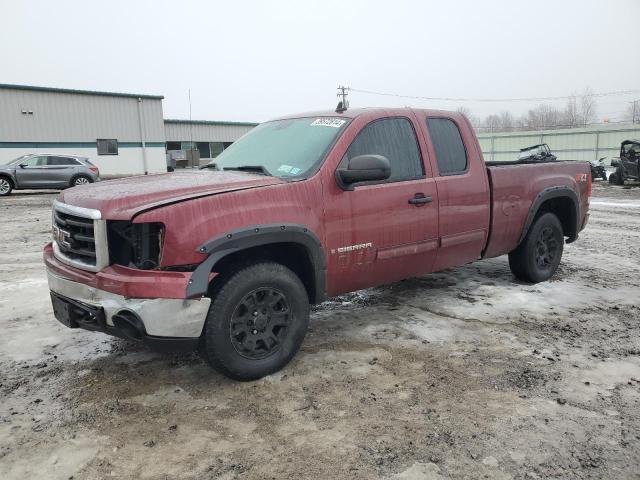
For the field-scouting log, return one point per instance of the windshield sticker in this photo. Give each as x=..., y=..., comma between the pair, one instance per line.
x=295, y=171
x=285, y=168
x=328, y=122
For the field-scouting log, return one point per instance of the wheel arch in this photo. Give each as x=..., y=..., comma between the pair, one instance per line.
x=295, y=246
x=77, y=175
x=561, y=201
x=8, y=177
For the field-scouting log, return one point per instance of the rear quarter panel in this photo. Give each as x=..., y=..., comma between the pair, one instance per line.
x=515, y=188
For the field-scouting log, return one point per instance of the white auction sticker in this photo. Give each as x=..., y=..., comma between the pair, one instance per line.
x=328, y=122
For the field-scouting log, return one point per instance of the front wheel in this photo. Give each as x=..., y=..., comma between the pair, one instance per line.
x=537, y=258
x=256, y=322
x=5, y=187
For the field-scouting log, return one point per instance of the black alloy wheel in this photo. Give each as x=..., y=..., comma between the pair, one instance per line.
x=259, y=323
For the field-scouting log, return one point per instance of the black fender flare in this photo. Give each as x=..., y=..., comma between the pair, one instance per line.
x=548, y=194
x=219, y=247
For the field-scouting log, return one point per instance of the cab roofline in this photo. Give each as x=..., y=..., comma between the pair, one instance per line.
x=356, y=112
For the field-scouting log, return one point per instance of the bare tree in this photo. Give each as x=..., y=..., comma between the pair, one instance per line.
x=475, y=121
x=542, y=117
x=587, y=107
x=571, y=117
x=492, y=123
x=507, y=122
x=632, y=113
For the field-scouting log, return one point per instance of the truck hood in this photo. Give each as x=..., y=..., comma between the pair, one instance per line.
x=124, y=198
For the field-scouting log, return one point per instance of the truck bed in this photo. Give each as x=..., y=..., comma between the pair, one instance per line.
x=515, y=187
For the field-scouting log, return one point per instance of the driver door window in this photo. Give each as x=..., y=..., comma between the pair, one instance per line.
x=39, y=161
x=394, y=139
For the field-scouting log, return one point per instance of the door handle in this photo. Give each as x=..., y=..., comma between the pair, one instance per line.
x=420, y=199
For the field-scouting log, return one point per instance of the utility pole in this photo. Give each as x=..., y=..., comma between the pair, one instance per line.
x=190, y=153
x=344, y=103
x=635, y=111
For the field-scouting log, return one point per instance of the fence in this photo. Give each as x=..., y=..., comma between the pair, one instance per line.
x=589, y=143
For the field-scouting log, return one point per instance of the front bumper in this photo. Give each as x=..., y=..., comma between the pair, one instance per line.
x=157, y=320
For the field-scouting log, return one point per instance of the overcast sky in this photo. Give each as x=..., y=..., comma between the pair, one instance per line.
x=252, y=60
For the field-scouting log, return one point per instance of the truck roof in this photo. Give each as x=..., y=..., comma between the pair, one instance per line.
x=356, y=112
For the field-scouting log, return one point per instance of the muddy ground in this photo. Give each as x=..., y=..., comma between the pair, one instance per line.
x=462, y=374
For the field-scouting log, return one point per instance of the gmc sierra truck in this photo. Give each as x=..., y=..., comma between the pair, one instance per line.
x=228, y=259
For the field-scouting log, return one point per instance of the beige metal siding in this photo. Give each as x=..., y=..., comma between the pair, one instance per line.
x=68, y=117
x=567, y=144
x=202, y=132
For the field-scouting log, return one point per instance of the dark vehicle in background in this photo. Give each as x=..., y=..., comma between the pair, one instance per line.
x=628, y=165
x=46, y=170
x=598, y=170
x=536, y=153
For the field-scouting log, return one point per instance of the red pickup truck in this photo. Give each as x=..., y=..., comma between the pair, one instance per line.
x=228, y=259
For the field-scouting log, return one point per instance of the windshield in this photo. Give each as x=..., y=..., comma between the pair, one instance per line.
x=284, y=148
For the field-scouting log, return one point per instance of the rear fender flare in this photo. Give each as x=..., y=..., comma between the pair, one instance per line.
x=219, y=247
x=548, y=194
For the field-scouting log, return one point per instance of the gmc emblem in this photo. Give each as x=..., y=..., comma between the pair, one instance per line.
x=62, y=237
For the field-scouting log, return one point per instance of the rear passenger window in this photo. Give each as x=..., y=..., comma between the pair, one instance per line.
x=57, y=161
x=395, y=139
x=447, y=142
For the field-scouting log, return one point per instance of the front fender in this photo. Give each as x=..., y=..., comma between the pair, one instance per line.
x=254, y=236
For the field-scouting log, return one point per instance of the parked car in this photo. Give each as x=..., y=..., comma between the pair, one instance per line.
x=628, y=165
x=598, y=169
x=229, y=259
x=46, y=170
x=536, y=153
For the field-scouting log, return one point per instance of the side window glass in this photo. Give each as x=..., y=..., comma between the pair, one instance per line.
x=35, y=161
x=57, y=161
x=394, y=139
x=447, y=142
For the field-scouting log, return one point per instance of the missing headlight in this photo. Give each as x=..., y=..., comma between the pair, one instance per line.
x=137, y=245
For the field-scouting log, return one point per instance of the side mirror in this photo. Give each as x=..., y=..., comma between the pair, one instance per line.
x=615, y=162
x=365, y=168
x=22, y=165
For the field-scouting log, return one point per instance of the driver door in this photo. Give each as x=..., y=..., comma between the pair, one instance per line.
x=32, y=172
x=377, y=232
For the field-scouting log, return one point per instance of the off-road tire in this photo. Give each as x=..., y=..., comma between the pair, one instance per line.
x=75, y=179
x=231, y=293
x=6, y=186
x=619, y=177
x=537, y=258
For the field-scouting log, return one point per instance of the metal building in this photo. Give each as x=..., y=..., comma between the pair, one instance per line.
x=209, y=138
x=122, y=134
x=589, y=143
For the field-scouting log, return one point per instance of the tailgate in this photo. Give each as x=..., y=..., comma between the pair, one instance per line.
x=517, y=190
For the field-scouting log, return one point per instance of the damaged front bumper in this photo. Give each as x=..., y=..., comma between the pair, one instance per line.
x=167, y=323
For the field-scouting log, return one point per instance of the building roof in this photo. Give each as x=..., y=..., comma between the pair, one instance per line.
x=209, y=122
x=78, y=92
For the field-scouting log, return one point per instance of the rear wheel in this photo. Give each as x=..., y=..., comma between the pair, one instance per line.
x=618, y=177
x=81, y=180
x=257, y=320
x=5, y=186
x=537, y=258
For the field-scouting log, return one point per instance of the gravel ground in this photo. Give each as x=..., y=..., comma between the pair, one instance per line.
x=461, y=374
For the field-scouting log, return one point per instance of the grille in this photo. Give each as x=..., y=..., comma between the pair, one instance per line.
x=79, y=236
